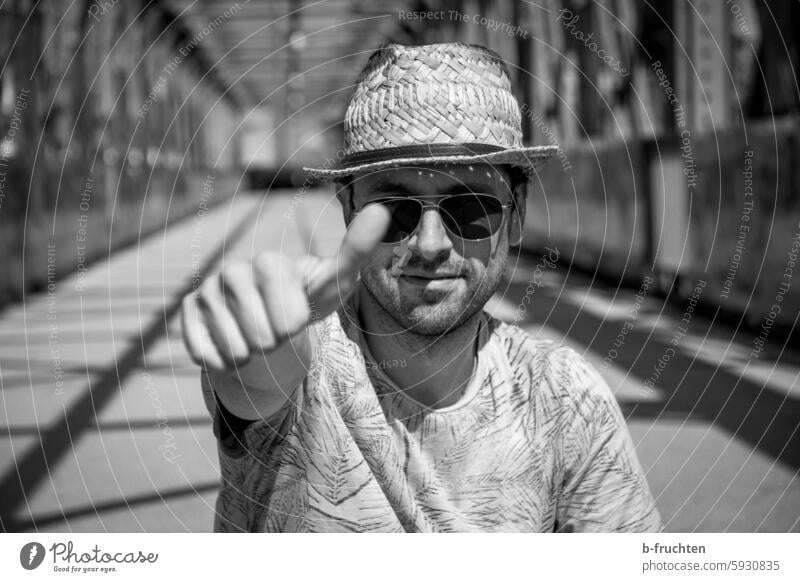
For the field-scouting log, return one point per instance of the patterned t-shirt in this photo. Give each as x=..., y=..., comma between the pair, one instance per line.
x=537, y=443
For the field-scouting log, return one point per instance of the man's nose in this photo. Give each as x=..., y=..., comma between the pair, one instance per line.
x=431, y=239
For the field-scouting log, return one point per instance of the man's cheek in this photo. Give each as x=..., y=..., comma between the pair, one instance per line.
x=379, y=267
x=480, y=251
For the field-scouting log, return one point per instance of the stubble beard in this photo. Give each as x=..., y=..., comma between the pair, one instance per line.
x=433, y=317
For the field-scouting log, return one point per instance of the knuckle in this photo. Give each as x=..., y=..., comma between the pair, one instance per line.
x=234, y=274
x=232, y=353
x=266, y=343
x=258, y=335
x=202, y=355
x=206, y=359
x=207, y=292
x=266, y=264
x=218, y=364
x=240, y=357
x=187, y=304
x=293, y=319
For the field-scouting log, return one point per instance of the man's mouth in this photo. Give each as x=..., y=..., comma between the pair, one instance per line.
x=429, y=279
x=429, y=276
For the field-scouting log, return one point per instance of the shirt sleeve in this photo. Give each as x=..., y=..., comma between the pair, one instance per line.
x=604, y=487
x=245, y=449
x=229, y=429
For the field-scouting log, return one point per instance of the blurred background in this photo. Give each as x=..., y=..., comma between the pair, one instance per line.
x=146, y=142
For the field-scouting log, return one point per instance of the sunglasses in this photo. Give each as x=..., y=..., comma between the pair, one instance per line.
x=471, y=217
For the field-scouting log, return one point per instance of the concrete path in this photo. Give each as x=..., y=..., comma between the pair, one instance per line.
x=103, y=427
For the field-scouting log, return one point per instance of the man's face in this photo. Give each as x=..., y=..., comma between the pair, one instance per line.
x=434, y=281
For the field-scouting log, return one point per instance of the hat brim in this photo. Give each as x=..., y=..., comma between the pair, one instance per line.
x=529, y=159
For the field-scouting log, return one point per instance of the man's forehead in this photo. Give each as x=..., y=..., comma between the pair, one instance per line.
x=440, y=174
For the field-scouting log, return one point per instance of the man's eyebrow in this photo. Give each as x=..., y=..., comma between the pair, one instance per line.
x=467, y=186
x=392, y=188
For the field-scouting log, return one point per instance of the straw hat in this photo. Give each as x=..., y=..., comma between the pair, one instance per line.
x=439, y=103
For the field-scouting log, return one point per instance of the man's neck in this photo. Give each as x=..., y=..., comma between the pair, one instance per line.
x=435, y=370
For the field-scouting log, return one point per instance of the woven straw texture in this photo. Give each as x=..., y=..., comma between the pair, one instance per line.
x=434, y=94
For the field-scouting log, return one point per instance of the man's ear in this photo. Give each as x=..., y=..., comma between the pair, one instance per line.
x=518, y=214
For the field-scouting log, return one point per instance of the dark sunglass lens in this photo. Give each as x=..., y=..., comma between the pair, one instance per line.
x=472, y=216
x=405, y=218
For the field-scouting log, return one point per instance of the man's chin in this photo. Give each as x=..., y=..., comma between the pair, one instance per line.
x=433, y=319
x=428, y=314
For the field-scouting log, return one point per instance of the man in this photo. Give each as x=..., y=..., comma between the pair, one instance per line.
x=369, y=391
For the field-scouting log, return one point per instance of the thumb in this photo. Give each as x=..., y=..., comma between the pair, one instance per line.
x=365, y=232
x=330, y=281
